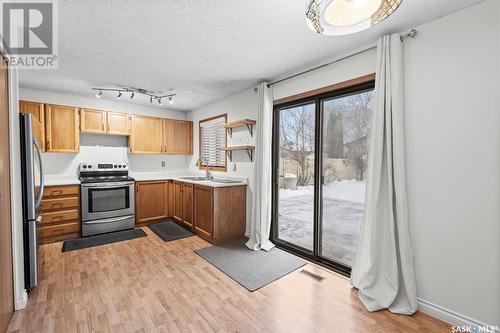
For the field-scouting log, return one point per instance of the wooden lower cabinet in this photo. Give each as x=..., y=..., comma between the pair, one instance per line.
x=182, y=203
x=177, y=207
x=187, y=204
x=203, y=211
x=151, y=201
x=216, y=214
x=219, y=212
x=60, y=213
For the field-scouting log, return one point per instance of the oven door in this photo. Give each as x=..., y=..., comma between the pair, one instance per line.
x=106, y=200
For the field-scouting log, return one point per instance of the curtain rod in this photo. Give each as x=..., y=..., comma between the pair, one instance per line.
x=411, y=34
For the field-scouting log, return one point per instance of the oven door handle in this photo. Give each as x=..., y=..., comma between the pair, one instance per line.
x=108, y=185
x=110, y=220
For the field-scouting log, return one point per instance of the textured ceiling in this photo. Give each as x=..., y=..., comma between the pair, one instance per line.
x=203, y=50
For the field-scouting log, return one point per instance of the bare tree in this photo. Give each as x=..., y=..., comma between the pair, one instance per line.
x=297, y=139
x=357, y=126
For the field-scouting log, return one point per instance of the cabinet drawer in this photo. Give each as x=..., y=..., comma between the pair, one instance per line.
x=57, y=191
x=58, y=229
x=60, y=216
x=60, y=203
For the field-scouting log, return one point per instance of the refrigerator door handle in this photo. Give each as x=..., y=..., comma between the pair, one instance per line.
x=42, y=180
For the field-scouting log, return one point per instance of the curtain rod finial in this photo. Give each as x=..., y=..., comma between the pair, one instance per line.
x=411, y=34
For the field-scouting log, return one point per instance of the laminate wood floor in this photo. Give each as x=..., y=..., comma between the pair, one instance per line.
x=147, y=285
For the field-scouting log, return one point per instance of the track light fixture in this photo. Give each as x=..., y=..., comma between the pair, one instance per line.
x=133, y=91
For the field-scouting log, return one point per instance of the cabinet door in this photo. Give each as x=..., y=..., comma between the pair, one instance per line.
x=146, y=135
x=178, y=137
x=177, y=201
x=203, y=211
x=187, y=203
x=118, y=123
x=93, y=121
x=151, y=201
x=62, y=129
x=36, y=109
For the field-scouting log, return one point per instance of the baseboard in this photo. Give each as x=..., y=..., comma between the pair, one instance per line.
x=21, y=301
x=449, y=316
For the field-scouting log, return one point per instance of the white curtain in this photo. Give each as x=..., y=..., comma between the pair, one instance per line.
x=260, y=225
x=383, y=271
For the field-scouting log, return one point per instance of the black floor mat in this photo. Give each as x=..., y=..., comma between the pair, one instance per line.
x=112, y=237
x=169, y=231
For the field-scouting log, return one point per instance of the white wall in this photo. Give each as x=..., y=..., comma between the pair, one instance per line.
x=452, y=118
x=239, y=106
x=452, y=82
x=95, y=147
x=350, y=68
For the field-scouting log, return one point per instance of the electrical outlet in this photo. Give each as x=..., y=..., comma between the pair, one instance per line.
x=163, y=164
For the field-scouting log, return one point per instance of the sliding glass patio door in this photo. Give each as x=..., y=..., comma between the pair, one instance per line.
x=320, y=149
x=295, y=161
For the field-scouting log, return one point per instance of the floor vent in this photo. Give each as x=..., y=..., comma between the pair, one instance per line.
x=312, y=275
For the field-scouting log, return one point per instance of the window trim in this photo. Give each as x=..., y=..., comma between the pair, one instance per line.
x=201, y=166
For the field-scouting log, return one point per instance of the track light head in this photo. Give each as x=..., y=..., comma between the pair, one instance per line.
x=120, y=91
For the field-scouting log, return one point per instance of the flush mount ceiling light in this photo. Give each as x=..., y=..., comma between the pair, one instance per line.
x=342, y=17
x=134, y=91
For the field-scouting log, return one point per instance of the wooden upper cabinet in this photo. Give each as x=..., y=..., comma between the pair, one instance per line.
x=146, y=135
x=178, y=137
x=62, y=129
x=118, y=123
x=37, y=110
x=93, y=121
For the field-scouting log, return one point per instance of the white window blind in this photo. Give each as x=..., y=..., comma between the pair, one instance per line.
x=213, y=141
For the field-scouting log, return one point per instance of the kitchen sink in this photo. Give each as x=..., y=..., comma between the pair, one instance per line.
x=195, y=178
x=226, y=181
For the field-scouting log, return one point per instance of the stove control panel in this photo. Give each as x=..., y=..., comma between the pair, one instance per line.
x=103, y=167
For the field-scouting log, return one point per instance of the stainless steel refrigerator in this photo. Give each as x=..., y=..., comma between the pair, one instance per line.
x=32, y=189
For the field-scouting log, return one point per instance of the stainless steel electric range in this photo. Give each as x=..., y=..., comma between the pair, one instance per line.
x=107, y=198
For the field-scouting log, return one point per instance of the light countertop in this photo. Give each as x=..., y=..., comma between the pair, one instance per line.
x=53, y=180
x=148, y=176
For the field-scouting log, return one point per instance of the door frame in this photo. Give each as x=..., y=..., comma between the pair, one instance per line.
x=338, y=90
x=7, y=197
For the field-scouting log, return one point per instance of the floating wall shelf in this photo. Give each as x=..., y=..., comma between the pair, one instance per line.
x=248, y=149
x=249, y=123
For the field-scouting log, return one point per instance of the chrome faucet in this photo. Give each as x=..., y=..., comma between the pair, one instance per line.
x=208, y=174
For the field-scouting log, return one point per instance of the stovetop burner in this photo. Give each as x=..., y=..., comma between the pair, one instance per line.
x=104, y=172
x=105, y=179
